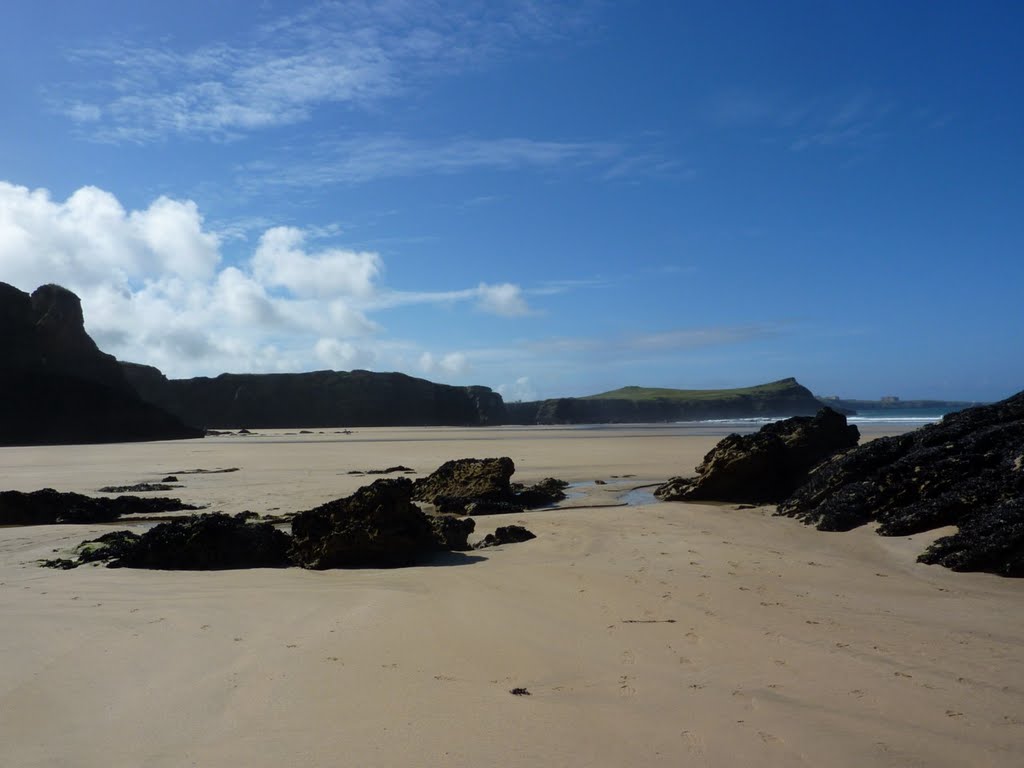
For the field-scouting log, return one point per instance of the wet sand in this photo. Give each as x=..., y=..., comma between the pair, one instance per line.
x=661, y=634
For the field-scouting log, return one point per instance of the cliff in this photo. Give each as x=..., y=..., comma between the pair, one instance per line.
x=632, y=405
x=318, y=399
x=56, y=386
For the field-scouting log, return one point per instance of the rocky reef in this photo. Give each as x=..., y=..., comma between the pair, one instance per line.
x=483, y=487
x=767, y=466
x=199, y=543
x=49, y=507
x=967, y=470
x=505, y=534
x=378, y=526
x=56, y=386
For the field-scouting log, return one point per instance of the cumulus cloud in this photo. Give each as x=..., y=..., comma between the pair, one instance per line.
x=90, y=238
x=505, y=299
x=280, y=261
x=521, y=390
x=343, y=355
x=156, y=289
x=451, y=364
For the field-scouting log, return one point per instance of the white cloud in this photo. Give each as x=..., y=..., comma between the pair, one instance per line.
x=347, y=53
x=91, y=239
x=280, y=261
x=521, y=390
x=369, y=158
x=453, y=364
x=505, y=299
x=343, y=355
x=155, y=288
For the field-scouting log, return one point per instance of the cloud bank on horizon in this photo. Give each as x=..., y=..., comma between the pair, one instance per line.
x=549, y=199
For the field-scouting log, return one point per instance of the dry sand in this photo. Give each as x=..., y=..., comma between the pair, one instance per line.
x=662, y=634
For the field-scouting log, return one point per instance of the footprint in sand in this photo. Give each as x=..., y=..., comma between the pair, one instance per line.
x=694, y=743
x=768, y=738
x=628, y=657
x=625, y=688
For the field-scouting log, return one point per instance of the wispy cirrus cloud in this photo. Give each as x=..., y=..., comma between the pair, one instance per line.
x=281, y=71
x=852, y=120
x=371, y=158
x=641, y=345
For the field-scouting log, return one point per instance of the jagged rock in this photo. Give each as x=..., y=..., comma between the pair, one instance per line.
x=506, y=534
x=56, y=386
x=489, y=507
x=452, y=532
x=207, y=543
x=766, y=466
x=109, y=546
x=48, y=507
x=548, y=491
x=210, y=542
x=483, y=487
x=376, y=527
x=458, y=482
x=967, y=470
x=137, y=488
x=991, y=540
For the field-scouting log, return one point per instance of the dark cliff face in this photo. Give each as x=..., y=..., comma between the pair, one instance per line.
x=56, y=386
x=792, y=400
x=318, y=399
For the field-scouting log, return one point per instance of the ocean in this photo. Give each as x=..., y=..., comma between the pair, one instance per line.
x=874, y=420
x=898, y=416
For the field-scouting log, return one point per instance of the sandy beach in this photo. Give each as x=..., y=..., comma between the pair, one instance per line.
x=648, y=634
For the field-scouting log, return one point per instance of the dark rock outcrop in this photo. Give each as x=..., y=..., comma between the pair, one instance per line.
x=137, y=488
x=506, y=534
x=57, y=387
x=451, y=532
x=456, y=483
x=317, y=399
x=483, y=487
x=108, y=547
x=376, y=527
x=967, y=470
x=544, y=493
x=209, y=542
x=485, y=507
x=766, y=466
x=48, y=507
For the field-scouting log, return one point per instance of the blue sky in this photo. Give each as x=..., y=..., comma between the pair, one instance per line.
x=545, y=198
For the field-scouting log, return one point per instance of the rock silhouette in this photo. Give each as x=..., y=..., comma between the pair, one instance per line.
x=57, y=387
